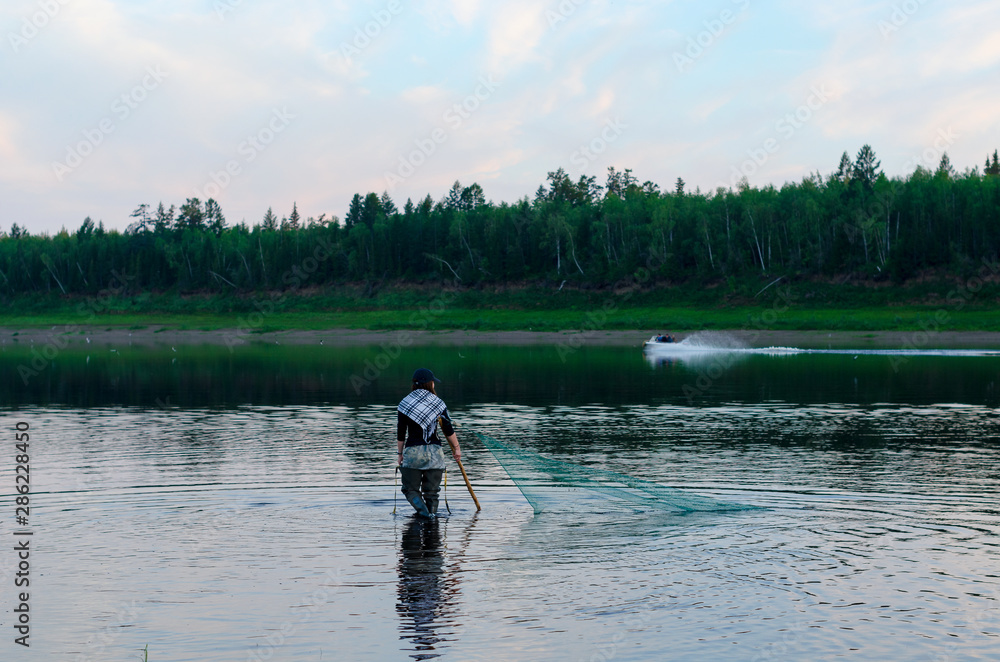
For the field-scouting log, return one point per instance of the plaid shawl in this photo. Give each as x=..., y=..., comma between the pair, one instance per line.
x=423, y=408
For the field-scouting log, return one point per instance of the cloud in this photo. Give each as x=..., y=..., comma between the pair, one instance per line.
x=897, y=88
x=16, y=170
x=957, y=44
x=465, y=11
x=559, y=84
x=8, y=151
x=516, y=28
x=424, y=95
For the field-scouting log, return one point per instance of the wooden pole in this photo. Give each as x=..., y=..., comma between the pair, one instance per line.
x=468, y=484
x=464, y=475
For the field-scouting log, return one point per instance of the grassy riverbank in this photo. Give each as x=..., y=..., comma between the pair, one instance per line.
x=940, y=306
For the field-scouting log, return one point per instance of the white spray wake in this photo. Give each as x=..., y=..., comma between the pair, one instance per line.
x=721, y=342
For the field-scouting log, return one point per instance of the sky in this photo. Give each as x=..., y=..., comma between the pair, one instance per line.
x=109, y=104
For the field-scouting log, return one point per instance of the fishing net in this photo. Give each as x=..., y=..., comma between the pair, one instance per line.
x=549, y=484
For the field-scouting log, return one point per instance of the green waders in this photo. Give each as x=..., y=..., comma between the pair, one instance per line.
x=421, y=488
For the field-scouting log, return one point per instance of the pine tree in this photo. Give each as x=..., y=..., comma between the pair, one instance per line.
x=214, y=217
x=454, y=197
x=371, y=210
x=588, y=190
x=541, y=194
x=293, y=219
x=993, y=168
x=270, y=222
x=86, y=229
x=866, y=167
x=944, y=168
x=613, y=185
x=164, y=219
x=473, y=197
x=620, y=183
x=426, y=205
x=844, y=169
x=191, y=216
x=388, y=206
x=142, y=224
x=353, y=212
x=679, y=187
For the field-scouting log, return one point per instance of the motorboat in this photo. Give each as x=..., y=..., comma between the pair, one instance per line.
x=657, y=342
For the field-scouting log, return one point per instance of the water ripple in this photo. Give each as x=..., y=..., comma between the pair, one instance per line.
x=269, y=531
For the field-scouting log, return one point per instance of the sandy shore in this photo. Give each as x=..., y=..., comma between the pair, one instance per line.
x=164, y=336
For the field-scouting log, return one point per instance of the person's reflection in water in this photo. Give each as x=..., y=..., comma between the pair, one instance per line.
x=426, y=589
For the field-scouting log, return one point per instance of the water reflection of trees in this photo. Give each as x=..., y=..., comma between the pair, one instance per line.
x=214, y=377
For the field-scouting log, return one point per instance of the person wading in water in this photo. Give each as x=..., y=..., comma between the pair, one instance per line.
x=421, y=458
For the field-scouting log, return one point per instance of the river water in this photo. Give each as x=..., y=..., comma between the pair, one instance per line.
x=216, y=505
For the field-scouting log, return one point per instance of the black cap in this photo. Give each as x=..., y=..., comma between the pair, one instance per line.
x=423, y=375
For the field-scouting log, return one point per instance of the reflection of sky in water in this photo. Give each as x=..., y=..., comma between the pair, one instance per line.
x=268, y=530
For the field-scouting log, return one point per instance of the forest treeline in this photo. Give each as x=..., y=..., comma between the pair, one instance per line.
x=855, y=222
